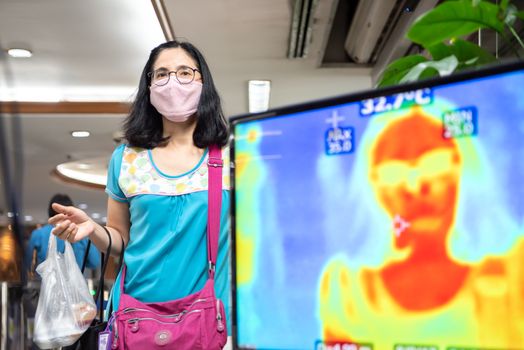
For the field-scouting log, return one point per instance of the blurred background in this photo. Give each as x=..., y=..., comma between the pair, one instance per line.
x=69, y=71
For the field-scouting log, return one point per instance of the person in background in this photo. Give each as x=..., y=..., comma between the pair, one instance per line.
x=39, y=239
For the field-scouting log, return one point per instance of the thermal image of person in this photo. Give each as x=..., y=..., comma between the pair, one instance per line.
x=430, y=255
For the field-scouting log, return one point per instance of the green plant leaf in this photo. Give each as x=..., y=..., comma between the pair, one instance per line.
x=444, y=67
x=520, y=15
x=466, y=52
x=439, y=51
x=475, y=2
x=454, y=19
x=503, y=5
x=428, y=73
x=397, y=69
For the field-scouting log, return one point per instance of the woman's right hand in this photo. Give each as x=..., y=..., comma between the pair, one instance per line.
x=71, y=224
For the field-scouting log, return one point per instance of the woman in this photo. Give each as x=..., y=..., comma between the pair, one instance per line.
x=157, y=183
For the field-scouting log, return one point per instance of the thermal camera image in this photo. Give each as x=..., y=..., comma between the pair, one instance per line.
x=430, y=285
x=389, y=223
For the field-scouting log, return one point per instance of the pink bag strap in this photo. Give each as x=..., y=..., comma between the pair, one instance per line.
x=214, y=207
x=214, y=210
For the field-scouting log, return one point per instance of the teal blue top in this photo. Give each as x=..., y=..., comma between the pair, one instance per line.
x=166, y=256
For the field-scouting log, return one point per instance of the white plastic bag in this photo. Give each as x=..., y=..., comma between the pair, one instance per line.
x=65, y=306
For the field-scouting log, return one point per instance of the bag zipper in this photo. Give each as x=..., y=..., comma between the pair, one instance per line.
x=220, y=324
x=154, y=313
x=115, y=339
x=133, y=309
x=135, y=321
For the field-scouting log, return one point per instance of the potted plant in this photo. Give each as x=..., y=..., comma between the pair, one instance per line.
x=441, y=32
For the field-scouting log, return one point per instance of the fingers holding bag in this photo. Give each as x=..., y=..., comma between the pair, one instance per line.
x=71, y=224
x=65, y=230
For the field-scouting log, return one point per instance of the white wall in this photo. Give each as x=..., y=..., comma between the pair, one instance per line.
x=291, y=83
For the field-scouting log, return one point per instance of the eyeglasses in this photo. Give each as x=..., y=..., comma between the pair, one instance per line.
x=429, y=167
x=184, y=75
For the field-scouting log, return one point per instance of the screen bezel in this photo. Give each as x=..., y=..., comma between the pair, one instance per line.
x=500, y=68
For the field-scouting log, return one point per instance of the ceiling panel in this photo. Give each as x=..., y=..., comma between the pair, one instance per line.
x=82, y=50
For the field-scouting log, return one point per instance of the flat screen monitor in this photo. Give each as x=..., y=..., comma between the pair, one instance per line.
x=389, y=219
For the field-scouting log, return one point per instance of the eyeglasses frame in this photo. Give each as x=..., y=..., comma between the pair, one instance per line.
x=169, y=73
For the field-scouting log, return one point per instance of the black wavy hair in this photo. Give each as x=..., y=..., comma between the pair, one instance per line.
x=143, y=127
x=59, y=198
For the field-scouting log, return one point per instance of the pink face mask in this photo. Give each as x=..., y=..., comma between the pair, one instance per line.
x=175, y=101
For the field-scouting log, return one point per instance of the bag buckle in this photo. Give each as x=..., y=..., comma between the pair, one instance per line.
x=211, y=267
x=215, y=162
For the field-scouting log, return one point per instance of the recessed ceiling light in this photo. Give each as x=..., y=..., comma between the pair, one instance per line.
x=19, y=53
x=96, y=216
x=28, y=218
x=80, y=133
x=82, y=206
x=10, y=214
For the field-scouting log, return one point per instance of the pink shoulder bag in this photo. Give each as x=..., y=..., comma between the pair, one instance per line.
x=193, y=322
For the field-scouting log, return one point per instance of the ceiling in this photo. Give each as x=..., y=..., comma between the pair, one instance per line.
x=95, y=50
x=82, y=51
